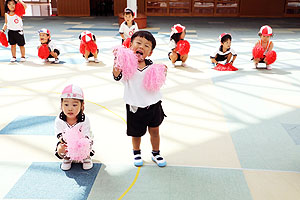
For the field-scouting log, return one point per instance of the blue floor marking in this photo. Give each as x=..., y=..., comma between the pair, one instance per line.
x=30, y=125
x=45, y=180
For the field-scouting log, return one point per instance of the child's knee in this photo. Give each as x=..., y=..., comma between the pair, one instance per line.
x=61, y=149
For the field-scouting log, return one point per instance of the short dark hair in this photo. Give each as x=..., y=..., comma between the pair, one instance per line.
x=128, y=11
x=63, y=115
x=176, y=37
x=6, y=5
x=225, y=38
x=145, y=34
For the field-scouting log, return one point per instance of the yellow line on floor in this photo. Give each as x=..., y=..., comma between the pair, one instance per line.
x=135, y=178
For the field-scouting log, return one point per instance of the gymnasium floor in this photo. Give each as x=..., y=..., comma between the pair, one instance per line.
x=228, y=135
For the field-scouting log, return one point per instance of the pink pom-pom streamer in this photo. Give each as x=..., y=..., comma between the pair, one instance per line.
x=258, y=51
x=226, y=67
x=19, y=10
x=155, y=77
x=126, y=60
x=183, y=47
x=3, y=39
x=271, y=57
x=127, y=42
x=78, y=146
x=43, y=51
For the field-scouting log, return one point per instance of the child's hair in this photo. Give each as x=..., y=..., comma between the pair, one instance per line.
x=225, y=38
x=6, y=5
x=145, y=34
x=176, y=37
x=128, y=11
x=259, y=34
x=79, y=116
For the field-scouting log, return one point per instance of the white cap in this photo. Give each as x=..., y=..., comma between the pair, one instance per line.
x=266, y=30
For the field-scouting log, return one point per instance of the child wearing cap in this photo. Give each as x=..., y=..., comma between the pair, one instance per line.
x=224, y=54
x=88, y=46
x=129, y=26
x=177, y=34
x=144, y=109
x=14, y=24
x=45, y=39
x=265, y=33
x=72, y=117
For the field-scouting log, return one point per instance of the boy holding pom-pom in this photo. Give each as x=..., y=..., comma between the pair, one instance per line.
x=263, y=50
x=47, y=49
x=142, y=80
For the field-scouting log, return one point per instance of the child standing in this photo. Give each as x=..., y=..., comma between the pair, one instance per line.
x=177, y=33
x=265, y=33
x=88, y=46
x=14, y=24
x=144, y=109
x=72, y=117
x=224, y=52
x=129, y=26
x=45, y=39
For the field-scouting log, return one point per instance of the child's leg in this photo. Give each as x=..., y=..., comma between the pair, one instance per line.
x=13, y=50
x=86, y=55
x=154, y=138
x=62, y=150
x=173, y=56
x=22, y=49
x=229, y=58
x=54, y=54
x=136, y=142
x=184, y=58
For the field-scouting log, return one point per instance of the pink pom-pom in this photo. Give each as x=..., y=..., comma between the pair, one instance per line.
x=82, y=47
x=127, y=42
x=226, y=67
x=271, y=57
x=126, y=60
x=3, y=39
x=44, y=52
x=183, y=47
x=92, y=47
x=19, y=10
x=78, y=146
x=155, y=77
x=258, y=51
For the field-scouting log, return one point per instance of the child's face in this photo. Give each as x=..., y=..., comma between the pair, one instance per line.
x=44, y=37
x=71, y=108
x=182, y=35
x=226, y=44
x=142, y=47
x=128, y=18
x=265, y=38
x=11, y=5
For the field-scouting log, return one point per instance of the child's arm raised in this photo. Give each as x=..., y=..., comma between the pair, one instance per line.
x=25, y=6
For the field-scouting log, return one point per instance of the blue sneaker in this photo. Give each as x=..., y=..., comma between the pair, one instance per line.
x=159, y=160
x=138, y=162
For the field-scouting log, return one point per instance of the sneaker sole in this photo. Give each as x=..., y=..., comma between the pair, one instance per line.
x=139, y=164
x=160, y=164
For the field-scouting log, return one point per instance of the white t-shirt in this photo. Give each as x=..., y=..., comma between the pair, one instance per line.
x=135, y=94
x=128, y=31
x=61, y=126
x=172, y=44
x=14, y=22
x=222, y=55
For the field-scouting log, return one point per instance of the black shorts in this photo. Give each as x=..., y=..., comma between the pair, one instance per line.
x=178, y=56
x=55, y=51
x=16, y=37
x=137, y=123
x=91, y=55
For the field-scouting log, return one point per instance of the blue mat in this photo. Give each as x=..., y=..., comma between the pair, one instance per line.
x=30, y=125
x=294, y=131
x=48, y=181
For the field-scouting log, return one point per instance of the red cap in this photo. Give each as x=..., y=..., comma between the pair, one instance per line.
x=266, y=30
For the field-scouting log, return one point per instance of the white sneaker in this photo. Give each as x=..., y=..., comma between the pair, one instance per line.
x=87, y=61
x=66, y=164
x=87, y=164
x=183, y=64
x=173, y=64
x=46, y=60
x=22, y=59
x=13, y=59
x=56, y=61
x=138, y=162
x=96, y=60
x=268, y=67
x=159, y=160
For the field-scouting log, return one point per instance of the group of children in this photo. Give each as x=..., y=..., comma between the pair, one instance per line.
x=143, y=107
